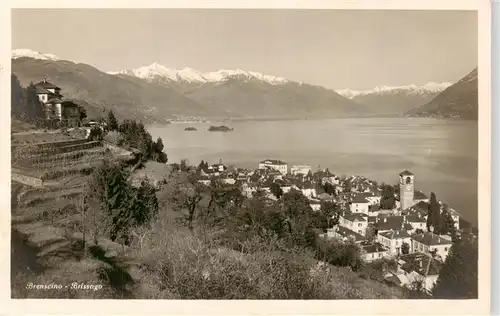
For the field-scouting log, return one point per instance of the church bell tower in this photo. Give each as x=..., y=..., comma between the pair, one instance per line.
x=406, y=189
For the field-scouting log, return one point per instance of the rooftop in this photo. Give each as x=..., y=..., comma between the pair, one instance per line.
x=54, y=100
x=415, y=218
x=419, y=195
x=359, y=199
x=431, y=239
x=349, y=233
x=356, y=217
x=419, y=263
x=421, y=206
x=395, y=234
x=372, y=247
x=273, y=162
x=389, y=222
x=47, y=85
x=406, y=173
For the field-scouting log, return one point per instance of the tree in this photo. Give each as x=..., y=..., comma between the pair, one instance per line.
x=83, y=112
x=331, y=211
x=329, y=188
x=184, y=165
x=185, y=193
x=158, y=154
x=276, y=190
x=201, y=166
x=35, y=111
x=17, y=102
x=387, y=201
x=405, y=248
x=112, y=121
x=458, y=278
x=371, y=233
x=447, y=223
x=433, y=214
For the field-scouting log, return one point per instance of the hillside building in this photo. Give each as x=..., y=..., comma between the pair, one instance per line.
x=66, y=112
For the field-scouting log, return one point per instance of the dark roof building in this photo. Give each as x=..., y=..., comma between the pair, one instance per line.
x=368, y=247
x=395, y=234
x=356, y=217
x=359, y=199
x=389, y=223
x=431, y=239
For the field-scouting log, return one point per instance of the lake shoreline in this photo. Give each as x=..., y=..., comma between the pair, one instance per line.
x=441, y=153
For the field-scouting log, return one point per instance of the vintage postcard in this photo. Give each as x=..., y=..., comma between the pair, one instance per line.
x=258, y=157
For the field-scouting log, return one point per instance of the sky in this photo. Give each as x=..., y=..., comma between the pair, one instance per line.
x=337, y=49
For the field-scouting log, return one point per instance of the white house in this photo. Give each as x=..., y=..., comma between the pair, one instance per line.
x=429, y=242
x=359, y=205
x=248, y=189
x=228, y=181
x=394, y=240
x=278, y=165
x=373, y=251
x=356, y=222
x=308, y=192
x=315, y=205
x=300, y=169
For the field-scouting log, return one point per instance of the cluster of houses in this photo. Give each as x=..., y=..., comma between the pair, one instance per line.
x=400, y=233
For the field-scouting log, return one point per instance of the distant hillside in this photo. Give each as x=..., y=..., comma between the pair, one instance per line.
x=395, y=100
x=459, y=101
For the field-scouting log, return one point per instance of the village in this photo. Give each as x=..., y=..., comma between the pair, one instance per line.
x=398, y=233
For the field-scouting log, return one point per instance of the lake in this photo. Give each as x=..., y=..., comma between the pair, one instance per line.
x=441, y=153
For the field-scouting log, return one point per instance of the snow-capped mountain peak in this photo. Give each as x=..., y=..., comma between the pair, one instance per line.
x=156, y=70
x=431, y=87
x=18, y=53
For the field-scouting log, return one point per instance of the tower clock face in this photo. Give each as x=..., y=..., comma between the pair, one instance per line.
x=408, y=188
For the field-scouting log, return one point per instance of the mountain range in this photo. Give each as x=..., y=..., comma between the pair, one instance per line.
x=458, y=101
x=155, y=93
x=395, y=99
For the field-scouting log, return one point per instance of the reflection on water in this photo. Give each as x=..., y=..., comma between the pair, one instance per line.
x=442, y=154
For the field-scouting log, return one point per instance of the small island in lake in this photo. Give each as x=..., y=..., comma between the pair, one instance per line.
x=190, y=129
x=221, y=128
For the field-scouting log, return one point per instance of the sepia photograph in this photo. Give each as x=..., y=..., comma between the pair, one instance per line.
x=244, y=154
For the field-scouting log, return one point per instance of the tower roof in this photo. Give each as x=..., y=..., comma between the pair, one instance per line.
x=47, y=85
x=406, y=173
